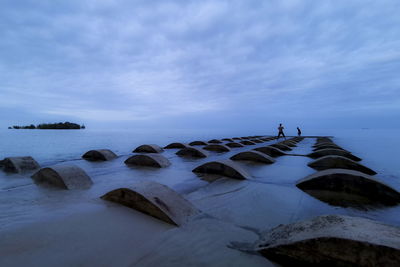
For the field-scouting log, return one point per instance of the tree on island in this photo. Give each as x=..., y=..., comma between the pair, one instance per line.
x=56, y=126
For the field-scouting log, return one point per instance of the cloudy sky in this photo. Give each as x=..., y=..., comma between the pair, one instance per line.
x=201, y=63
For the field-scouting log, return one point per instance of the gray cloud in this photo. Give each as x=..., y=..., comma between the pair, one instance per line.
x=99, y=61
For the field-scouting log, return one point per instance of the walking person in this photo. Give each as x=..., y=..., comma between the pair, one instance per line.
x=280, y=129
x=298, y=131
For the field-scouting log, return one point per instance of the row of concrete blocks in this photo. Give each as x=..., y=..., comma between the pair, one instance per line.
x=342, y=181
x=319, y=240
x=27, y=163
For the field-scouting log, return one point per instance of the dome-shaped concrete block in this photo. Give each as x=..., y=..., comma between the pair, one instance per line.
x=175, y=145
x=333, y=152
x=257, y=141
x=149, y=160
x=148, y=149
x=339, y=162
x=353, y=188
x=192, y=152
x=63, y=176
x=227, y=139
x=234, y=144
x=99, y=155
x=255, y=156
x=19, y=164
x=247, y=143
x=281, y=147
x=270, y=151
x=328, y=146
x=332, y=240
x=226, y=168
x=217, y=148
x=324, y=144
x=197, y=143
x=214, y=141
x=289, y=143
x=156, y=200
x=236, y=138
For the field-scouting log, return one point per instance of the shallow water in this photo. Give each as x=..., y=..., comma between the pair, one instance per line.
x=267, y=199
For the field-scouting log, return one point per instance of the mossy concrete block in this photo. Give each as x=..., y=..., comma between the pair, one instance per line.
x=19, y=164
x=333, y=152
x=63, y=176
x=148, y=149
x=342, y=187
x=193, y=152
x=156, y=200
x=247, y=143
x=281, y=147
x=226, y=168
x=254, y=156
x=149, y=160
x=217, y=148
x=99, y=155
x=197, y=143
x=339, y=162
x=270, y=151
x=234, y=144
x=332, y=240
x=175, y=145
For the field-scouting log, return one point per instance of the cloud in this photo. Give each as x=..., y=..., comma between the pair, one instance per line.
x=136, y=60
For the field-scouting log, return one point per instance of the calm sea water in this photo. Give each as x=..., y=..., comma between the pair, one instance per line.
x=378, y=148
x=23, y=202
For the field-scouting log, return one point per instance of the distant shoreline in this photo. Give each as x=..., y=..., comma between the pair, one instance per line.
x=50, y=126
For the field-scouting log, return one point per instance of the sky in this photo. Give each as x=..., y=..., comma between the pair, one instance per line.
x=201, y=64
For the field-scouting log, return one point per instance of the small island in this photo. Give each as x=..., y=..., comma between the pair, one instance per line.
x=55, y=126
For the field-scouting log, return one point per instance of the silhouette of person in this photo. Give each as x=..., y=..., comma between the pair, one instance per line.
x=298, y=131
x=280, y=129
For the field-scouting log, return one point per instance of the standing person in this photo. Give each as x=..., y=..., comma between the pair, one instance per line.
x=280, y=129
x=298, y=131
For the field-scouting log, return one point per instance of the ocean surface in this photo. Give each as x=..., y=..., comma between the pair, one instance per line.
x=378, y=148
x=268, y=199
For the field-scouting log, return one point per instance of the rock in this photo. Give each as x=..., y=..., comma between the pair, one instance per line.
x=342, y=187
x=175, y=145
x=214, y=141
x=156, y=200
x=234, y=144
x=255, y=156
x=217, y=148
x=226, y=168
x=197, y=143
x=192, y=152
x=19, y=164
x=63, y=176
x=332, y=151
x=281, y=147
x=227, y=139
x=270, y=151
x=339, y=162
x=99, y=155
x=148, y=149
x=247, y=143
x=150, y=160
x=332, y=240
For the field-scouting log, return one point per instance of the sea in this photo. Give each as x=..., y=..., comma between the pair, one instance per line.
x=81, y=218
